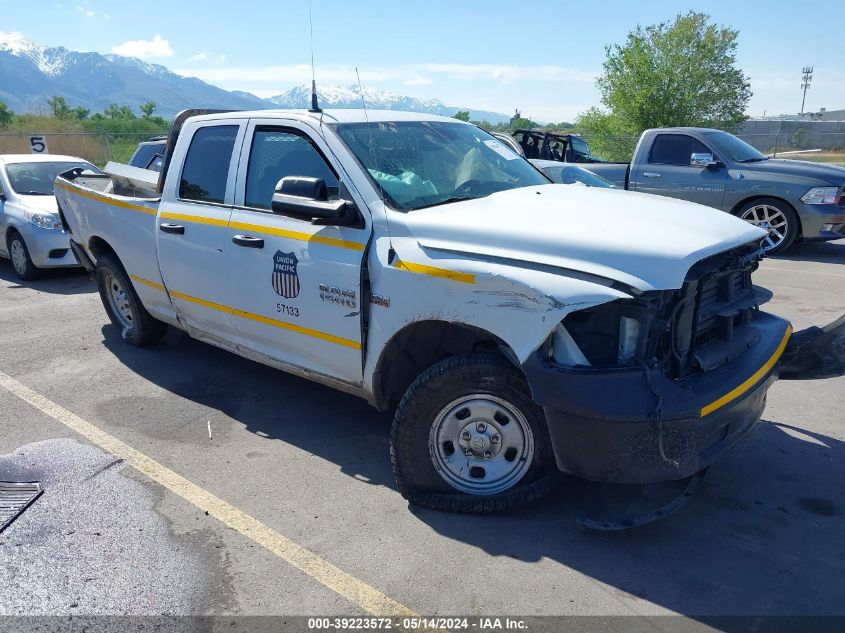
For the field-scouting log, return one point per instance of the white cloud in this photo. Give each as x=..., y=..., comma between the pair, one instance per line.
x=144, y=49
x=413, y=74
x=204, y=57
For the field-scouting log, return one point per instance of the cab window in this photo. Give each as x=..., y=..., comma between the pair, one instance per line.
x=206, y=168
x=675, y=149
x=277, y=153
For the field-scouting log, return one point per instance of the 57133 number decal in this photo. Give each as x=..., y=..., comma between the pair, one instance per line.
x=293, y=311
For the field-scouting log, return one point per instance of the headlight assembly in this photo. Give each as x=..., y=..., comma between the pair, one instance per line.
x=821, y=195
x=43, y=220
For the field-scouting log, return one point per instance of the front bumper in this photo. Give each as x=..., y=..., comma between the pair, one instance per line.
x=48, y=248
x=603, y=423
x=822, y=221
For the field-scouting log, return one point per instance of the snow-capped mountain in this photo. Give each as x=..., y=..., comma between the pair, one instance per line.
x=334, y=96
x=31, y=73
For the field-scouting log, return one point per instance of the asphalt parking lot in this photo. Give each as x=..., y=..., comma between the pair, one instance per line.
x=764, y=536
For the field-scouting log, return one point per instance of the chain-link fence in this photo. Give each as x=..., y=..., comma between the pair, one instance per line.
x=97, y=148
x=767, y=136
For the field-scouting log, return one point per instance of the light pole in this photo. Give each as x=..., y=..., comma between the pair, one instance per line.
x=806, y=78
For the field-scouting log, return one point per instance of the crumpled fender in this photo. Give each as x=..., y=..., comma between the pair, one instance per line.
x=816, y=352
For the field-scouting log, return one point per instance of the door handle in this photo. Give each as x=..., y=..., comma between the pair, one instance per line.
x=249, y=241
x=177, y=229
x=651, y=174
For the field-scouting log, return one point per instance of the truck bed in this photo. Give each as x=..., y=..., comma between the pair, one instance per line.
x=100, y=219
x=617, y=173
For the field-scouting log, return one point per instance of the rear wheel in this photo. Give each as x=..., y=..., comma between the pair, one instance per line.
x=123, y=305
x=19, y=255
x=467, y=438
x=775, y=217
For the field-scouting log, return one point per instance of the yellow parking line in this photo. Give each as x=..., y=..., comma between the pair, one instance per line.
x=344, y=584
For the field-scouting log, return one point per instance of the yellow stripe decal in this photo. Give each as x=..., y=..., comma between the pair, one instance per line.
x=146, y=282
x=296, y=235
x=113, y=201
x=331, y=338
x=196, y=219
x=432, y=271
x=358, y=592
x=751, y=381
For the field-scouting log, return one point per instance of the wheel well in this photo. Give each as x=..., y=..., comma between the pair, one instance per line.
x=420, y=345
x=10, y=231
x=99, y=247
x=742, y=203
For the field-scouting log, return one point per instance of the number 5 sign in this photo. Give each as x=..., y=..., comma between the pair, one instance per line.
x=38, y=144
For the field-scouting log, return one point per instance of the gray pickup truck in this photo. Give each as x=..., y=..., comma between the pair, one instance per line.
x=788, y=198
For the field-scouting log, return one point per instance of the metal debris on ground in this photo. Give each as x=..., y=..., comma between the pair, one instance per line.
x=15, y=497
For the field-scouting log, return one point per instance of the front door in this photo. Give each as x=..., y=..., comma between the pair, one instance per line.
x=668, y=172
x=192, y=228
x=295, y=286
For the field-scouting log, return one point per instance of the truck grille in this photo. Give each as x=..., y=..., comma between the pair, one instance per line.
x=708, y=323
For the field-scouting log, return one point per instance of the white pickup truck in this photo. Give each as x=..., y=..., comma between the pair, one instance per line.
x=519, y=328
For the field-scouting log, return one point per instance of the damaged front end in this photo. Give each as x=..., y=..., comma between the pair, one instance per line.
x=656, y=387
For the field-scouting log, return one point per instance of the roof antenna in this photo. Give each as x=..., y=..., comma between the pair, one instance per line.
x=315, y=107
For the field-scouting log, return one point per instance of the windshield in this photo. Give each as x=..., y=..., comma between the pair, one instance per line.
x=426, y=163
x=736, y=149
x=570, y=175
x=36, y=179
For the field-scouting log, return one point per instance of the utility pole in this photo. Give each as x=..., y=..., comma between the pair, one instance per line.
x=806, y=78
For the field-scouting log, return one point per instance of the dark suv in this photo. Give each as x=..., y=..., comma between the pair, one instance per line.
x=150, y=154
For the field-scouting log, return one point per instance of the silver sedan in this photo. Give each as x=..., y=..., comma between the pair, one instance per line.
x=31, y=232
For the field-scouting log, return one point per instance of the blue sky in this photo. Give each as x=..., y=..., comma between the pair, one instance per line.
x=540, y=56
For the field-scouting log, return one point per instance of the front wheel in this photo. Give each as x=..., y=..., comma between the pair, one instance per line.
x=123, y=305
x=776, y=218
x=21, y=261
x=468, y=438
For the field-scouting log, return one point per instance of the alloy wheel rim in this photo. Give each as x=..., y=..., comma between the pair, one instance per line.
x=18, y=255
x=770, y=219
x=481, y=444
x=119, y=302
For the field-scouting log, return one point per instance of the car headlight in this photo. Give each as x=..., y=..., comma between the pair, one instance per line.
x=43, y=220
x=821, y=195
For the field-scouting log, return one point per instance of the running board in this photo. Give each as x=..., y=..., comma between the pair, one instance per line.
x=816, y=352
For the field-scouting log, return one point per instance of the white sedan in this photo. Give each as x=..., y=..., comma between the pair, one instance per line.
x=31, y=232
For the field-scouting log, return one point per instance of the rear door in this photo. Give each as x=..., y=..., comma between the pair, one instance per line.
x=667, y=171
x=192, y=226
x=296, y=286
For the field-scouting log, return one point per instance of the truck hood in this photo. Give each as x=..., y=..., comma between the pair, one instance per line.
x=809, y=171
x=645, y=241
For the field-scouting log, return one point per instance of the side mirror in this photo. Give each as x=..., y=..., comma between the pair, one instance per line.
x=308, y=199
x=702, y=160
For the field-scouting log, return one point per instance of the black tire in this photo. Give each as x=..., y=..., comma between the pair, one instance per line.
x=140, y=328
x=413, y=465
x=28, y=271
x=793, y=224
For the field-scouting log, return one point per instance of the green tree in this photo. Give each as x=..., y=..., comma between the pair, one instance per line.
x=115, y=111
x=148, y=108
x=670, y=74
x=521, y=124
x=6, y=115
x=462, y=115
x=59, y=107
x=79, y=113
